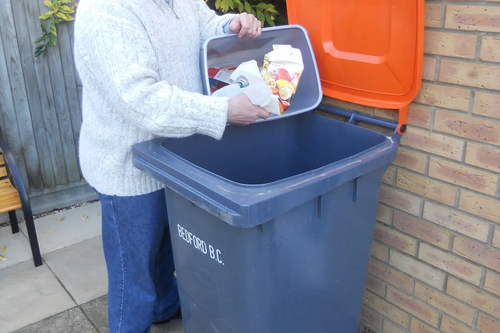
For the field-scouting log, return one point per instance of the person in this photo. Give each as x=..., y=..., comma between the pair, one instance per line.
x=138, y=61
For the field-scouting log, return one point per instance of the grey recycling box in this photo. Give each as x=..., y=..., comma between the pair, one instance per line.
x=272, y=226
x=230, y=50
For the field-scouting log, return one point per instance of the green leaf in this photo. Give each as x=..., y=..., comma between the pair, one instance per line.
x=241, y=7
x=46, y=16
x=67, y=10
x=261, y=6
x=43, y=27
x=260, y=16
x=272, y=10
x=58, y=20
x=269, y=20
x=44, y=37
x=48, y=4
x=53, y=28
x=54, y=2
x=217, y=4
x=65, y=17
x=248, y=8
x=224, y=6
x=53, y=39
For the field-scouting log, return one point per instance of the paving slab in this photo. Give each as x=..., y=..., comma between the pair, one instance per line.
x=68, y=227
x=81, y=269
x=28, y=295
x=14, y=248
x=71, y=321
x=97, y=311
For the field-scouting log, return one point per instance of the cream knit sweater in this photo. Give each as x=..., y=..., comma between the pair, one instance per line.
x=139, y=64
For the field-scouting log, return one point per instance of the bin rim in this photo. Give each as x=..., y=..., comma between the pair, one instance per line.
x=247, y=205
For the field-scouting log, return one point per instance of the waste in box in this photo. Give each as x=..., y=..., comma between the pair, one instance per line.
x=230, y=50
x=272, y=225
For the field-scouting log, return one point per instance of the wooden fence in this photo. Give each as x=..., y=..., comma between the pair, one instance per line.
x=40, y=102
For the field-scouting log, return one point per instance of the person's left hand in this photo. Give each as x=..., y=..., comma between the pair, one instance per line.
x=246, y=25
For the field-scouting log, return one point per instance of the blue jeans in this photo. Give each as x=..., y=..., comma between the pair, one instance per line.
x=141, y=284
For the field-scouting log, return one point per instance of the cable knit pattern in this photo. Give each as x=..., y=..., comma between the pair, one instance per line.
x=139, y=65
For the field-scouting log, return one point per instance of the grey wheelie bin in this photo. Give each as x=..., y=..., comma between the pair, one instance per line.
x=272, y=225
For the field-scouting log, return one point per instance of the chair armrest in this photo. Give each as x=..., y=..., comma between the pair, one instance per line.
x=13, y=170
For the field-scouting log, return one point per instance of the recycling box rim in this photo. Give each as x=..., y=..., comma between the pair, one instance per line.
x=309, y=86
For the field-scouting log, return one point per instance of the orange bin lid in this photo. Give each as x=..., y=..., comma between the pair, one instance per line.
x=369, y=52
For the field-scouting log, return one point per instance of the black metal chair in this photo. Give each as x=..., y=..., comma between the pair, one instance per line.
x=13, y=196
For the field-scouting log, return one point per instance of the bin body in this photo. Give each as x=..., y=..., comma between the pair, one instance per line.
x=272, y=226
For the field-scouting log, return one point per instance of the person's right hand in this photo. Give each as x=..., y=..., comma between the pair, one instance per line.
x=242, y=112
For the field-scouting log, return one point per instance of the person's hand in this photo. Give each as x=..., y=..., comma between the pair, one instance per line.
x=246, y=25
x=242, y=112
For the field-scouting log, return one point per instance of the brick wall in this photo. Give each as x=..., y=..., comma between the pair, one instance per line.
x=435, y=263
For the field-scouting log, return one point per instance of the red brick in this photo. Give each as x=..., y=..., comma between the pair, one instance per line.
x=389, y=176
x=348, y=106
x=375, y=285
x=496, y=237
x=433, y=15
x=443, y=96
x=492, y=283
x=444, y=303
x=464, y=176
x=473, y=18
x=395, y=239
x=469, y=74
x=450, y=44
x=477, y=252
x=398, y=199
x=486, y=104
x=485, y=207
x=449, y=325
x=384, y=214
x=429, y=69
x=433, y=143
x=390, y=327
x=371, y=317
x=483, y=156
x=380, y=251
x=418, y=115
x=473, y=296
x=417, y=269
x=490, y=49
x=456, y=221
x=486, y=324
x=426, y=187
x=451, y=264
x=385, y=308
x=390, y=275
x=467, y=127
x=419, y=327
x=413, y=306
x=411, y=160
x=421, y=230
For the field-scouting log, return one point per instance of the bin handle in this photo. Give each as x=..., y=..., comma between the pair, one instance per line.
x=355, y=117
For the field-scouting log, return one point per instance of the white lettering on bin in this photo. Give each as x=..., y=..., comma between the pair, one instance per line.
x=199, y=244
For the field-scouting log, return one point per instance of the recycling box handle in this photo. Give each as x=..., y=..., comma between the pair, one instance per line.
x=354, y=117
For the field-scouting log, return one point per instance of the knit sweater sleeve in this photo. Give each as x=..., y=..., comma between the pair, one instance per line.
x=210, y=23
x=114, y=58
